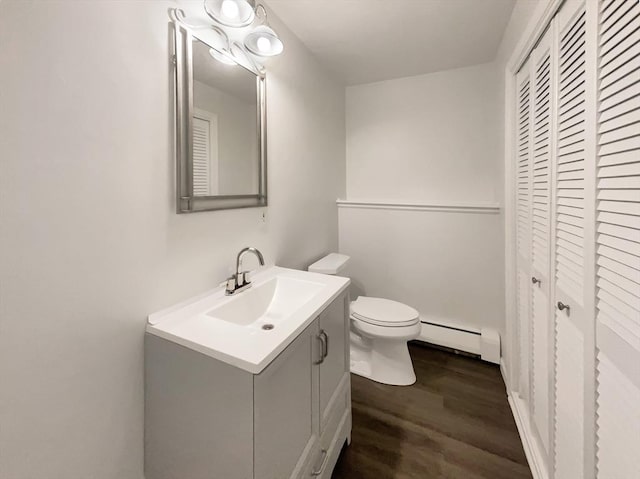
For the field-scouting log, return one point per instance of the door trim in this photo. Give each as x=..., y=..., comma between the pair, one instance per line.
x=530, y=443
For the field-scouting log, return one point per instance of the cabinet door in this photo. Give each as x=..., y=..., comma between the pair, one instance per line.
x=287, y=432
x=618, y=241
x=570, y=259
x=334, y=369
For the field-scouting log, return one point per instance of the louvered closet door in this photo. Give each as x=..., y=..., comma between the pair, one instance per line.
x=205, y=153
x=618, y=242
x=542, y=78
x=201, y=156
x=523, y=223
x=570, y=205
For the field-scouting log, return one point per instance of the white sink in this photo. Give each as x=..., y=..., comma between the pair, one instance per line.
x=251, y=328
x=268, y=303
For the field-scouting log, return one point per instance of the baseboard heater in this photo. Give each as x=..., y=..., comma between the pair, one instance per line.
x=484, y=343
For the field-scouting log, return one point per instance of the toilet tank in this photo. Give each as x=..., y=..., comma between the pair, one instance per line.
x=333, y=263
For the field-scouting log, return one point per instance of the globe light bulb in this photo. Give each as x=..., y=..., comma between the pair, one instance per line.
x=230, y=9
x=264, y=44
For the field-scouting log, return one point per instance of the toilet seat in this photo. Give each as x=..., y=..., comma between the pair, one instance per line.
x=383, y=312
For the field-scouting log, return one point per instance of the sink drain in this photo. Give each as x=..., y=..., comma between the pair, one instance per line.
x=268, y=327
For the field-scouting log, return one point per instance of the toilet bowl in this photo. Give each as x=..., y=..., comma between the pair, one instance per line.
x=380, y=329
x=379, y=332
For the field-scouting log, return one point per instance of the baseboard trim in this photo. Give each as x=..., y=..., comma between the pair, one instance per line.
x=503, y=372
x=485, y=343
x=529, y=443
x=455, y=339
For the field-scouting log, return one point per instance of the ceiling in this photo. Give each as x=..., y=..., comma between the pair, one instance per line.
x=364, y=41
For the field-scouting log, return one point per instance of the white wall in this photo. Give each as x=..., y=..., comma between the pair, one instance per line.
x=428, y=139
x=446, y=265
x=90, y=243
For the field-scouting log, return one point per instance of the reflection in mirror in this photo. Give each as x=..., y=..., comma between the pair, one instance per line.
x=224, y=127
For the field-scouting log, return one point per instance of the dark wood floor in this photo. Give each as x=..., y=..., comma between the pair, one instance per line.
x=455, y=422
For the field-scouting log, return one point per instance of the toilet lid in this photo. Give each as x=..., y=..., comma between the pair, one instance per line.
x=383, y=312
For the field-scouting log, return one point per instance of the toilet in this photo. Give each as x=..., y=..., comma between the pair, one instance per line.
x=380, y=330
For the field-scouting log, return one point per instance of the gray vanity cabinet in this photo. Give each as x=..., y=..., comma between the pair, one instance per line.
x=205, y=419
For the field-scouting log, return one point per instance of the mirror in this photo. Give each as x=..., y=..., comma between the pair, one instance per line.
x=220, y=126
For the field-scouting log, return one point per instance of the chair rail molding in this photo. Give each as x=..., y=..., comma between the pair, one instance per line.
x=447, y=207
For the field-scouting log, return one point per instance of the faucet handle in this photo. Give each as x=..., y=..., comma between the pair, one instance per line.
x=231, y=284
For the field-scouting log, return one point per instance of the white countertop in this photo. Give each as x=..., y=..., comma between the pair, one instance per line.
x=246, y=346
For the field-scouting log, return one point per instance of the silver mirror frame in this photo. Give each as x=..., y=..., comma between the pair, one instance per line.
x=186, y=202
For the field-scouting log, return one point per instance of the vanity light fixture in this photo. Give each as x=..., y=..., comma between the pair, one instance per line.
x=222, y=49
x=262, y=40
x=233, y=23
x=230, y=13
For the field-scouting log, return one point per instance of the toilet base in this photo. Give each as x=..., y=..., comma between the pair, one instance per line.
x=385, y=360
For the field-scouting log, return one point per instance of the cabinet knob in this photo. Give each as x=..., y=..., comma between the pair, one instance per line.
x=535, y=280
x=562, y=307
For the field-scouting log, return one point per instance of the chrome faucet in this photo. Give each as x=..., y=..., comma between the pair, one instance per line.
x=239, y=282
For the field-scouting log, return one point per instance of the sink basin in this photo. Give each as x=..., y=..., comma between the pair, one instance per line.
x=267, y=303
x=249, y=329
